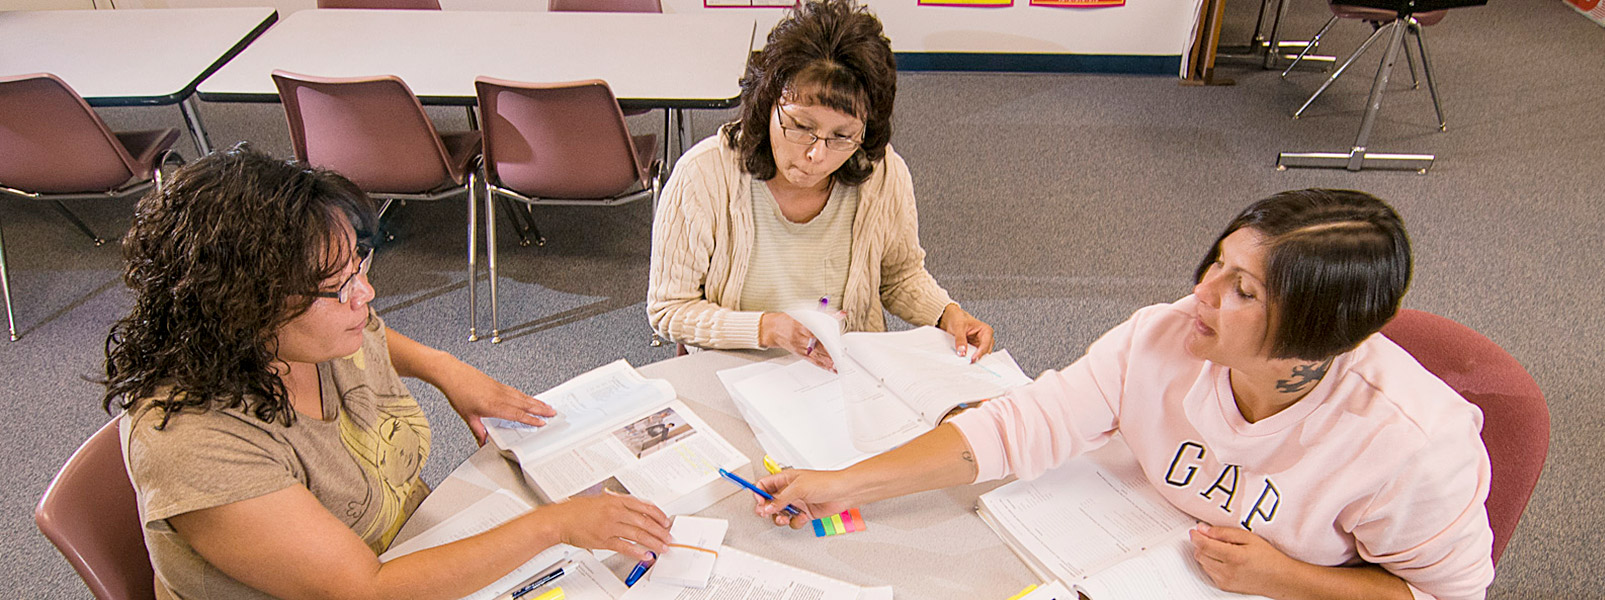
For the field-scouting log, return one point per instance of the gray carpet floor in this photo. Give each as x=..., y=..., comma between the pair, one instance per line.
x=1051, y=205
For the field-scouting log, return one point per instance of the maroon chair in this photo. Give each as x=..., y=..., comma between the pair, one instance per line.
x=90, y=513
x=374, y=131
x=382, y=4
x=559, y=143
x=1381, y=21
x=1515, y=419
x=54, y=147
x=626, y=6
x=633, y=6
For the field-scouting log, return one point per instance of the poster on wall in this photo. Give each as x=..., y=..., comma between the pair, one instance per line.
x=1593, y=9
x=748, y=3
x=988, y=3
x=1078, y=3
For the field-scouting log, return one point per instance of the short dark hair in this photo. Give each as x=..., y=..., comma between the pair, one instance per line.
x=219, y=260
x=831, y=53
x=1337, y=266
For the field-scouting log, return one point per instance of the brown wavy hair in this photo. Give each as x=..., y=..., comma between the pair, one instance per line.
x=219, y=260
x=830, y=53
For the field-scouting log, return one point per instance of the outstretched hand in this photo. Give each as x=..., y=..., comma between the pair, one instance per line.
x=623, y=524
x=475, y=395
x=814, y=493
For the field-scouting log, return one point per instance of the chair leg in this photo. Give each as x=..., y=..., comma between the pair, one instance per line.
x=1314, y=41
x=473, y=251
x=1410, y=60
x=62, y=208
x=5, y=288
x=490, y=262
x=1339, y=72
x=527, y=213
x=1373, y=104
x=384, y=211
x=679, y=120
x=1426, y=69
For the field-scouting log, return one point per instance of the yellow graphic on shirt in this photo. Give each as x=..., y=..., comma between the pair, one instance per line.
x=390, y=446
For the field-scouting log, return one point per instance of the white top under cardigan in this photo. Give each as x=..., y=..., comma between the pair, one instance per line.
x=702, y=238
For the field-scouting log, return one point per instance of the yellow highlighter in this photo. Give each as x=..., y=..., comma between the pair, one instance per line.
x=551, y=594
x=1028, y=589
x=771, y=466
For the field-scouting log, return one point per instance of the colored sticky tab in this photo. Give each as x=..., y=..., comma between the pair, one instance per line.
x=848, y=521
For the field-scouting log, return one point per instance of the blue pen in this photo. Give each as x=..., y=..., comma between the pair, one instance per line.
x=756, y=490
x=540, y=581
x=640, y=569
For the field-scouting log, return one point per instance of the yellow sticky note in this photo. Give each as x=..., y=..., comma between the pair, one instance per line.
x=552, y=594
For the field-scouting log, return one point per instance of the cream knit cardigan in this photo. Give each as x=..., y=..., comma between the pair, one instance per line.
x=702, y=241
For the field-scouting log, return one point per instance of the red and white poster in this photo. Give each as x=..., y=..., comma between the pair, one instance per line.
x=1594, y=9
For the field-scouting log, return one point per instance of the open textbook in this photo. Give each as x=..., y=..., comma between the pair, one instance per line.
x=888, y=388
x=1096, y=524
x=739, y=575
x=584, y=577
x=616, y=430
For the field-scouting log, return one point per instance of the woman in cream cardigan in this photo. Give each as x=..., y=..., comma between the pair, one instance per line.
x=801, y=202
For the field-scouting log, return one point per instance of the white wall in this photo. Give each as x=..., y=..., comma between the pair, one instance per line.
x=1142, y=27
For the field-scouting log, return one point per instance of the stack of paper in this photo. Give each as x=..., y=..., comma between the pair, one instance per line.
x=693, y=551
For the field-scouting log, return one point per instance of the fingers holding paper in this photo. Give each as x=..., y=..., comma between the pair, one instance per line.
x=780, y=330
x=967, y=331
x=616, y=522
x=811, y=492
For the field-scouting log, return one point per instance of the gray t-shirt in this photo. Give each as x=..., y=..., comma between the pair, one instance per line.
x=362, y=461
x=793, y=265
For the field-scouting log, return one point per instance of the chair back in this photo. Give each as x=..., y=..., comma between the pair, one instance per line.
x=559, y=140
x=633, y=6
x=1515, y=419
x=382, y=4
x=89, y=512
x=370, y=129
x=52, y=142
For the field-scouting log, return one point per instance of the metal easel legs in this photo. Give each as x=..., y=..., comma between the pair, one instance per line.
x=1358, y=157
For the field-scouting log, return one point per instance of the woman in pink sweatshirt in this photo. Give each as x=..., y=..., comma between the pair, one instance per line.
x=1322, y=459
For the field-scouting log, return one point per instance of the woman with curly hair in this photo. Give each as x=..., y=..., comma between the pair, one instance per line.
x=800, y=201
x=273, y=447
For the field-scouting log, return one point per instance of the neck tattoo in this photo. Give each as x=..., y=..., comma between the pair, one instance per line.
x=1304, y=377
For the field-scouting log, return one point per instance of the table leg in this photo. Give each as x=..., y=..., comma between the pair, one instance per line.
x=192, y=118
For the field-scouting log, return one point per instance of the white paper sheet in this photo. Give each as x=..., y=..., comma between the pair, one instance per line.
x=742, y=576
x=479, y=517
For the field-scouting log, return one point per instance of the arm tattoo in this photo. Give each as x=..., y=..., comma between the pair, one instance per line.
x=967, y=457
x=1304, y=377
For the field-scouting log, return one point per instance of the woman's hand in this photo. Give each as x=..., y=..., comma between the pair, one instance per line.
x=1240, y=561
x=474, y=395
x=779, y=330
x=623, y=524
x=967, y=331
x=815, y=493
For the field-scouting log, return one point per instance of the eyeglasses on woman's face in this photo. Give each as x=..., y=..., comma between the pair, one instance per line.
x=806, y=137
x=343, y=294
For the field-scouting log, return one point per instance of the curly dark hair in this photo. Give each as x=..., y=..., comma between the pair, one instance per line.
x=219, y=260
x=829, y=53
